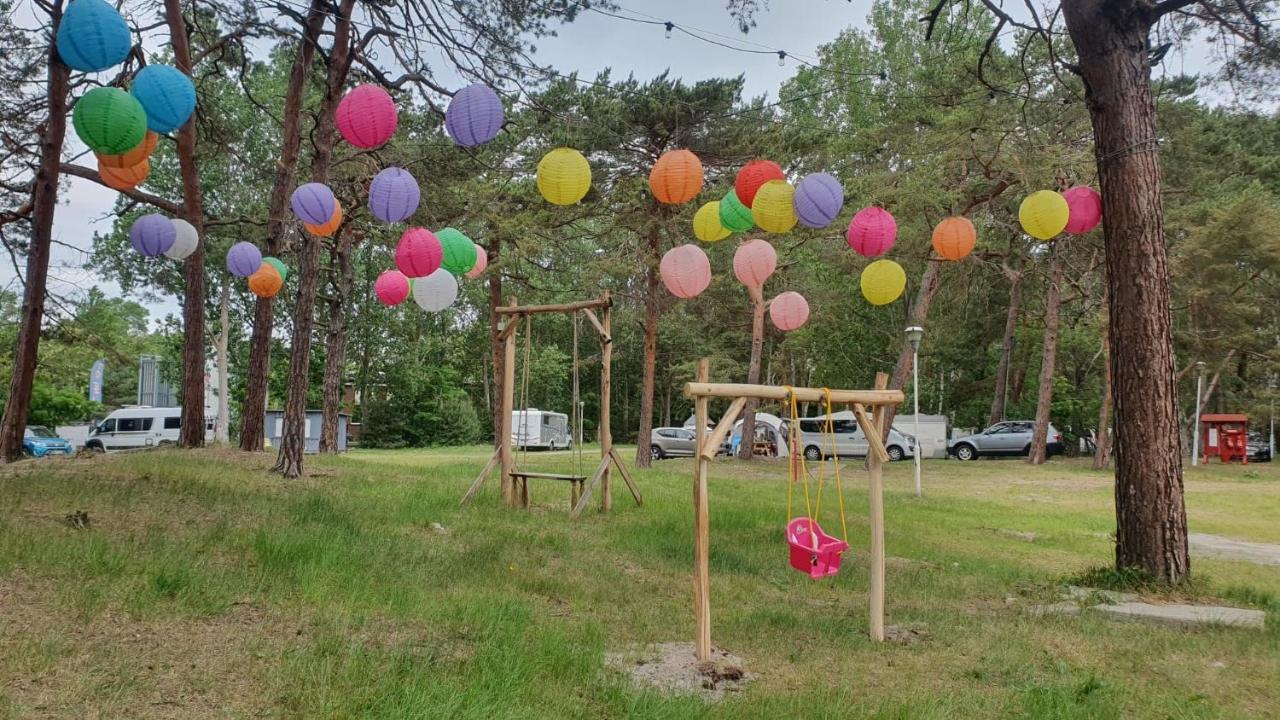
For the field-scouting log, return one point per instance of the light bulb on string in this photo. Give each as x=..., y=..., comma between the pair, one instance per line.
x=782, y=58
x=670, y=26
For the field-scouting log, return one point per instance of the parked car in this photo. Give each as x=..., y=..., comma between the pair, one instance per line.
x=848, y=439
x=39, y=441
x=665, y=442
x=1259, y=448
x=138, y=427
x=1012, y=437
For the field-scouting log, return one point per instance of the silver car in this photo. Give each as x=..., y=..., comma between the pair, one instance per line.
x=1012, y=437
x=665, y=442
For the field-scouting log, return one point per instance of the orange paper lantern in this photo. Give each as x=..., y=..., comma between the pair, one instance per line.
x=330, y=227
x=676, y=178
x=130, y=158
x=266, y=282
x=954, y=238
x=124, y=178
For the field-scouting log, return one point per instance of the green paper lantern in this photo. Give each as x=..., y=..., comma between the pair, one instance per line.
x=734, y=215
x=278, y=265
x=459, y=251
x=110, y=121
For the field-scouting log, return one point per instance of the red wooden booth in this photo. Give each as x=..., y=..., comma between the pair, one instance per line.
x=1225, y=436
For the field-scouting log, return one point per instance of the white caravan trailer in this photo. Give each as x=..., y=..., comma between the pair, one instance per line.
x=535, y=429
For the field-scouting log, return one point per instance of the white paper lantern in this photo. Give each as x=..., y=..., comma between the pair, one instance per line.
x=184, y=241
x=436, y=291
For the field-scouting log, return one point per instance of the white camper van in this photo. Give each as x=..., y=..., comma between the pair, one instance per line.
x=130, y=428
x=535, y=429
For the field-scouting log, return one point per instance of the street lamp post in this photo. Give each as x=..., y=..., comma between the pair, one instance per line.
x=1195, y=435
x=914, y=334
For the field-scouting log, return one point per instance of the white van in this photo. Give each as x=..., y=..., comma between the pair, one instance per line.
x=135, y=427
x=848, y=439
x=540, y=429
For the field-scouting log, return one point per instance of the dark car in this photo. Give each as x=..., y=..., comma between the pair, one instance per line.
x=1012, y=437
x=1259, y=448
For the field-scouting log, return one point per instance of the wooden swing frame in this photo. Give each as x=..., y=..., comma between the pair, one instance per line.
x=503, y=456
x=871, y=422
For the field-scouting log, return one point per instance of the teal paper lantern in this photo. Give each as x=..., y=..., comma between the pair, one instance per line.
x=109, y=120
x=459, y=251
x=92, y=36
x=167, y=95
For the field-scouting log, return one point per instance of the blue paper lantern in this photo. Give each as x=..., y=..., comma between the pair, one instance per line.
x=93, y=36
x=394, y=195
x=475, y=115
x=167, y=94
x=818, y=200
x=152, y=234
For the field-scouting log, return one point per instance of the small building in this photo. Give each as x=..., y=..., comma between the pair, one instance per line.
x=1225, y=436
x=274, y=426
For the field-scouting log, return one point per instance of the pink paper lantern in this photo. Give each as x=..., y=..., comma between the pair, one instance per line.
x=367, y=116
x=1085, y=206
x=686, y=271
x=872, y=232
x=419, y=253
x=482, y=262
x=789, y=311
x=754, y=262
x=391, y=287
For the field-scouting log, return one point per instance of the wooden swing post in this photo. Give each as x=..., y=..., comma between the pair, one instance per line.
x=701, y=391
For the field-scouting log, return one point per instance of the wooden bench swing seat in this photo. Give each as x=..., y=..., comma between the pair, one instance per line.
x=521, y=478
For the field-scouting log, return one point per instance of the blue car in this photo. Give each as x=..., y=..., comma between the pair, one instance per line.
x=39, y=441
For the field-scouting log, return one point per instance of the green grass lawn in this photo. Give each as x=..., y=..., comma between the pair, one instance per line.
x=206, y=587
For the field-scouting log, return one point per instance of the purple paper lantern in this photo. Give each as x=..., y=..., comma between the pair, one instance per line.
x=313, y=203
x=244, y=259
x=475, y=116
x=152, y=234
x=818, y=200
x=394, y=195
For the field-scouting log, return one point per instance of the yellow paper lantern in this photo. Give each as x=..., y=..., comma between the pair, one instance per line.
x=564, y=176
x=706, y=223
x=774, y=207
x=883, y=282
x=1044, y=214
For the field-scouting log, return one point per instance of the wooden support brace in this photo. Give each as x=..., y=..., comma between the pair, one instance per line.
x=871, y=429
x=585, y=499
x=626, y=477
x=484, y=475
x=604, y=334
x=723, y=428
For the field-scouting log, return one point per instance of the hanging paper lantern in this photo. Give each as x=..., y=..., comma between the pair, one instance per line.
x=436, y=291
x=1085, y=209
x=185, y=240
x=685, y=270
x=124, y=178
x=735, y=216
x=754, y=262
x=279, y=266
x=130, y=158
x=152, y=234
x=109, y=120
x=419, y=253
x=819, y=199
x=266, y=281
x=482, y=262
x=753, y=176
x=706, y=223
x=872, y=232
x=475, y=115
x=93, y=36
x=883, y=282
x=774, y=207
x=314, y=203
x=167, y=95
x=459, y=253
x=954, y=238
x=244, y=259
x=564, y=176
x=1044, y=214
x=329, y=227
x=366, y=116
x=789, y=311
x=394, y=195
x=391, y=287
x=676, y=178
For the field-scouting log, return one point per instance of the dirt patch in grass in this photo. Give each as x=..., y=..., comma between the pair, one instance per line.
x=672, y=669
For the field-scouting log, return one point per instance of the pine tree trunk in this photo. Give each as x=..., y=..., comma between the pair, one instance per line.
x=1001, y=393
x=1048, y=357
x=193, y=350
x=1102, y=447
x=255, y=394
x=44, y=202
x=651, y=299
x=335, y=360
x=222, y=427
x=927, y=289
x=293, y=439
x=1111, y=40
x=746, y=448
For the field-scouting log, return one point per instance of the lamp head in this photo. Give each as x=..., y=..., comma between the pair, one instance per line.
x=914, y=334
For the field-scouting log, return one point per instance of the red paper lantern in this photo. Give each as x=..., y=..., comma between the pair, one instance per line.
x=752, y=176
x=1085, y=206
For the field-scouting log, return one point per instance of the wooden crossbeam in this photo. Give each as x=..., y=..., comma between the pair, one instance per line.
x=696, y=390
x=601, y=302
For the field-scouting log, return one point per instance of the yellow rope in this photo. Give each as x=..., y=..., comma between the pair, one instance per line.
x=797, y=460
x=831, y=438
